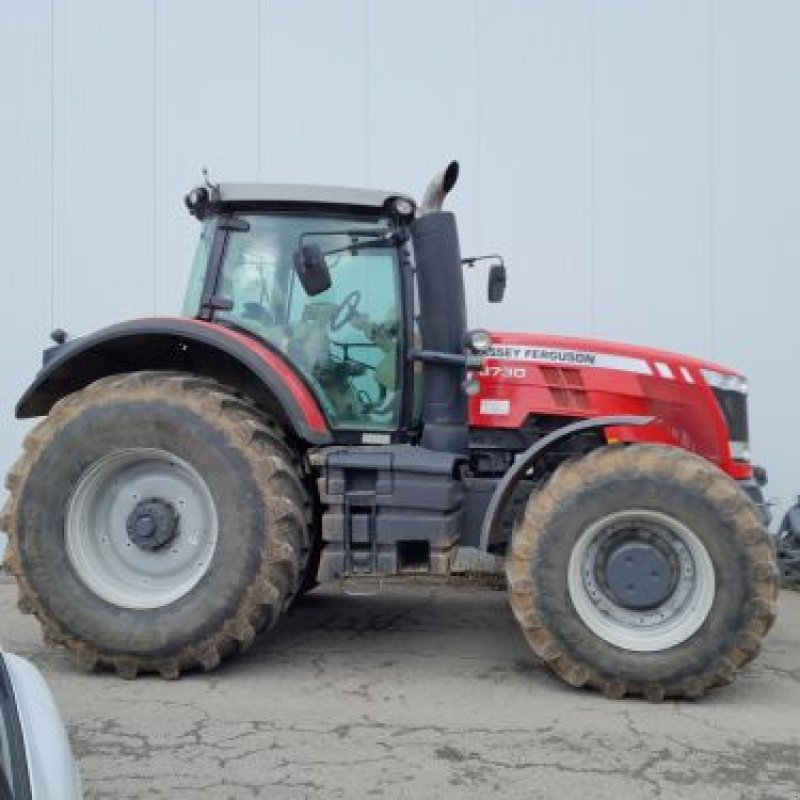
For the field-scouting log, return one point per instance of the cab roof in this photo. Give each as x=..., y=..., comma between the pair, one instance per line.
x=292, y=195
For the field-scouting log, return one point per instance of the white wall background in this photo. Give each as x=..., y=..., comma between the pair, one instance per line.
x=635, y=161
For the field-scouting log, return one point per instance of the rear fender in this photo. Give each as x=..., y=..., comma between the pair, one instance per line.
x=244, y=363
x=495, y=511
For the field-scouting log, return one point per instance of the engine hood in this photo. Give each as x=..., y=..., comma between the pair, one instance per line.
x=530, y=378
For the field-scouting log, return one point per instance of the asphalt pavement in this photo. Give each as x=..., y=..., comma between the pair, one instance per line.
x=425, y=691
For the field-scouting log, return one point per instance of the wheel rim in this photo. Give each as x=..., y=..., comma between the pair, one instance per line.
x=109, y=542
x=649, y=617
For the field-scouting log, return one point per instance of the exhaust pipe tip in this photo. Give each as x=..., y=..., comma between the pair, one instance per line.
x=450, y=176
x=438, y=189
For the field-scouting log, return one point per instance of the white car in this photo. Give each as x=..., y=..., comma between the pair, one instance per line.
x=36, y=762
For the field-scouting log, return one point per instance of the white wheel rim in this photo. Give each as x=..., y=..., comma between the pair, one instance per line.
x=101, y=551
x=673, y=621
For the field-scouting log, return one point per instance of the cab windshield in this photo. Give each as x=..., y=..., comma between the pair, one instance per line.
x=345, y=339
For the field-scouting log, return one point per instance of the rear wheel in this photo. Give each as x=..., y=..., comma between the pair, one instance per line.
x=156, y=523
x=642, y=570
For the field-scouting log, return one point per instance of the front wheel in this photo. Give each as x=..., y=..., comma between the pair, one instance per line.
x=642, y=570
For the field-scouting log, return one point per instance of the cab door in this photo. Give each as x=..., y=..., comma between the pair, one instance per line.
x=347, y=340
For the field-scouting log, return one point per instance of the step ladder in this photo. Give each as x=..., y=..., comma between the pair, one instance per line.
x=360, y=533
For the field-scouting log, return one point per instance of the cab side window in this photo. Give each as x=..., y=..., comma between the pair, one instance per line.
x=347, y=338
x=344, y=340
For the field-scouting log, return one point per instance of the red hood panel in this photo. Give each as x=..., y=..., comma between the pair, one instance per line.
x=530, y=378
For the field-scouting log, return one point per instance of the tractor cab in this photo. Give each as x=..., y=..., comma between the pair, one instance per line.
x=342, y=333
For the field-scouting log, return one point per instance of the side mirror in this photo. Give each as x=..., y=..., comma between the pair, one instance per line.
x=312, y=270
x=496, y=286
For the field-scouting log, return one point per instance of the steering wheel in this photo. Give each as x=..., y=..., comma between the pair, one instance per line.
x=346, y=310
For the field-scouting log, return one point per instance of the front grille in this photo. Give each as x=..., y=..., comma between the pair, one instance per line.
x=734, y=409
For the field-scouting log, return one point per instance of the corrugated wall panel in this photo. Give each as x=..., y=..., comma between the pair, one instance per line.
x=206, y=114
x=756, y=222
x=104, y=170
x=636, y=163
x=313, y=77
x=651, y=183
x=26, y=211
x=535, y=112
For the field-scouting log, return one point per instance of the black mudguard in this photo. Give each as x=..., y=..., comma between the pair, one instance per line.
x=505, y=489
x=178, y=344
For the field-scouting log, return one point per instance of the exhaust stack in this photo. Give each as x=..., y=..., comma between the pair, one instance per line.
x=443, y=316
x=438, y=189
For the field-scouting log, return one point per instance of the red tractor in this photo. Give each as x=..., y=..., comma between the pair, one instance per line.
x=321, y=411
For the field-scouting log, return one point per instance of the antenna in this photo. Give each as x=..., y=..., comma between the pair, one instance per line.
x=207, y=180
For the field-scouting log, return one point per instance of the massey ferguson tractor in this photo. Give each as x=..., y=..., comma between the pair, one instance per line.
x=321, y=411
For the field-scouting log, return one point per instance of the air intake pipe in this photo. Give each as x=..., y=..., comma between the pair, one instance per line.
x=443, y=316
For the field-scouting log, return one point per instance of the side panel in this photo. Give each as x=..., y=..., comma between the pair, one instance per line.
x=186, y=345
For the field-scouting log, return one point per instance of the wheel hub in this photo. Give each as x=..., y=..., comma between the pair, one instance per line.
x=152, y=523
x=613, y=588
x=141, y=528
x=639, y=575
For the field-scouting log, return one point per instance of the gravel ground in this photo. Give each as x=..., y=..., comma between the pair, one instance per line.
x=422, y=691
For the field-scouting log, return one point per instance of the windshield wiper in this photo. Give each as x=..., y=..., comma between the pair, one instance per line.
x=381, y=237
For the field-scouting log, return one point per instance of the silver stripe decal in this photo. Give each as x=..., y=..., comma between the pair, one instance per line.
x=664, y=371
x=541, y=354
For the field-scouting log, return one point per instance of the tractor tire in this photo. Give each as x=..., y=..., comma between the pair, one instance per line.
x=642, y=570
x=156, y=523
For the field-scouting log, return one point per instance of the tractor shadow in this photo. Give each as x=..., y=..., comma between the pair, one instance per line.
x=441, y=629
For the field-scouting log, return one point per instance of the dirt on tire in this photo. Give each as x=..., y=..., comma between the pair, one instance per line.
x=262, y=504
x=669, y=481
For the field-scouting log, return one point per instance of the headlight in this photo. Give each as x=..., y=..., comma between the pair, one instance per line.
x=721, y=380
x=479, y=340
x=196, y=200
